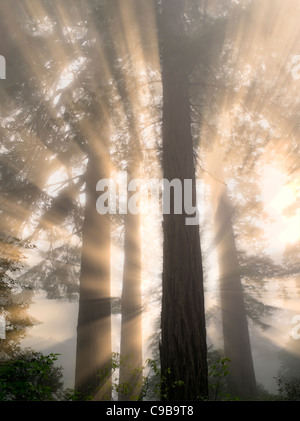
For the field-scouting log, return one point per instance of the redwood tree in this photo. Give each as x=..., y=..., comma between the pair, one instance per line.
x=237, y=346
x=93, y=356
x=131, y=308
x=183, y=333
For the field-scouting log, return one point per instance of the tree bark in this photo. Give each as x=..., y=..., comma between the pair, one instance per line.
x=183, y=334
x=131, y=306
x=93, y=357
x=237, y=346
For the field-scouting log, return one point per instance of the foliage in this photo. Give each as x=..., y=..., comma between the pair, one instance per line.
x=289, y=390
x=125, y=388
x=73, y=395
x=160, y=385
x=217, y=379
x=218, y=370
x=154, y=385
x=30, y=377
x=56, y=273
x=14, y=298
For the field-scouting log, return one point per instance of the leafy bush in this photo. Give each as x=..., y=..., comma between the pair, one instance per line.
x=289, y=390
x=30, y=377
x=217, y=379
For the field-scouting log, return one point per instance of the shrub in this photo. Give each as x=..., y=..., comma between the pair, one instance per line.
x=31, y=376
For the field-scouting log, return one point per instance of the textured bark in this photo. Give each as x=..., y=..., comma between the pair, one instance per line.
x=183, y=336
x=94, y=318
x=237, y=345
x=131, y=324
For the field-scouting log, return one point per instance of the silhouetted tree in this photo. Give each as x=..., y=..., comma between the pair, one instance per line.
x=183, y=334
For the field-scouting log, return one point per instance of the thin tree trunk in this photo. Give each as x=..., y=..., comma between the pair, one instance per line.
x=237, y=344
x=93, y=358
x=131, y=325
x=183, y=336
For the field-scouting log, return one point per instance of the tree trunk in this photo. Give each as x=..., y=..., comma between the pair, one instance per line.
x=183, y=334
x=131, y=325
x=237, y=345
x=93, y=358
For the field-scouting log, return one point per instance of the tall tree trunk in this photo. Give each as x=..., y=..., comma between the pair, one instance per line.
x=237, y=345
x=126, y=32
x=131, y=325
x=93, y=358
x=183, y=334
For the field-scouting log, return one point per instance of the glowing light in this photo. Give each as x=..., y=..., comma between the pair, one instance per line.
x=285, y=197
